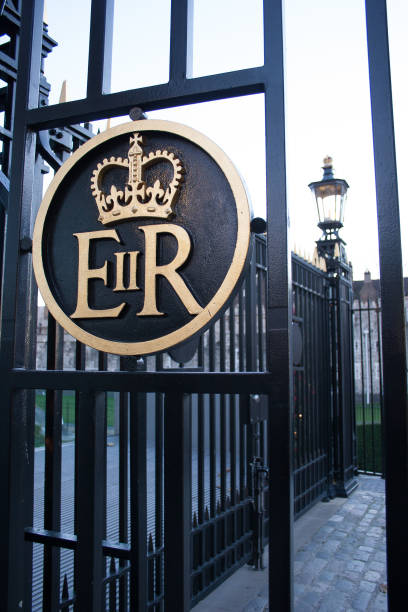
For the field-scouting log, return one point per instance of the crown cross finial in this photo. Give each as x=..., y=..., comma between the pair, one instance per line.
x=135, y=159
x=134, y=141
x=136, y=199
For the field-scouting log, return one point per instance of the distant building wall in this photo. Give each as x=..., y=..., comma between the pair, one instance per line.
x=367, y=337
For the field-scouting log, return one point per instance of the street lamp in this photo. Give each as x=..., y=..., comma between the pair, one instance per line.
x=330, y=194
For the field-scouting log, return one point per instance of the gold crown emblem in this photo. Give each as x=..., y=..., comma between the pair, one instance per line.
x=137, y=199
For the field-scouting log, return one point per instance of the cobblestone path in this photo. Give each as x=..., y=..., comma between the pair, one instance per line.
x=343, y=567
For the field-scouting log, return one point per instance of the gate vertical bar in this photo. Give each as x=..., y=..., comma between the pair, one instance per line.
x=123, y=486
x=52, y=468
x=100, y=48
x=201, y=445
x=212, y=429
x=138, y=502
x=159, y=505
x=223, y=423
x=177, y=501
x=181, y=51
x=279, y=315
x=16, y=497
x=90, y=513
x=79, y=365
x=392, y=301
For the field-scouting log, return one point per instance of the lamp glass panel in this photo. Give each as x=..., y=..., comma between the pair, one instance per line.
x=330, y=203
x=343, y=199
x=329, y=207
x=330, y=196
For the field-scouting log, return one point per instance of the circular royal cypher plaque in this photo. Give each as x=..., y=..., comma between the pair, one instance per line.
x=141, y=238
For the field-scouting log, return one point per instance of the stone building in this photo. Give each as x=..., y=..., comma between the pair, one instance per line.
x=367, y=337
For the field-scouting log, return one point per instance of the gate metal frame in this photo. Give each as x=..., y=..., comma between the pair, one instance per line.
x=392, y=301
x=18, y=375
x=16, y=361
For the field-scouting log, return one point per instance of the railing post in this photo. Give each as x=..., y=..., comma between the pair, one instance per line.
x=342, y=380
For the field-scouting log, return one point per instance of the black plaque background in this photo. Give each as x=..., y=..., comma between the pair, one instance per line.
x=204, y=206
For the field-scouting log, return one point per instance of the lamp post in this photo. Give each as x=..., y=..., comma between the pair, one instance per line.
x=330, y=194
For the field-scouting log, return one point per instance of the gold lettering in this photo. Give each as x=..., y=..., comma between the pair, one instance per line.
x=168, y=270
x=119, y=271
x=83, y=311
x=132, y=271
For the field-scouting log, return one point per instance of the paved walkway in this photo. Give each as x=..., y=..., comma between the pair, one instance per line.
x=339, y=562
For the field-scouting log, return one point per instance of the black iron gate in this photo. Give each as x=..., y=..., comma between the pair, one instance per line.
x=209, y=405
x=165, y=558
x=225, y=440
x=312, y=397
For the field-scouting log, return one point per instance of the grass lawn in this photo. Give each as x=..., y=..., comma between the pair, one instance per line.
x=368, y=414
x=369, y=449
x=368, y=430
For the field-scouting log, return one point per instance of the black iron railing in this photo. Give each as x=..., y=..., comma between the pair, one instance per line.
x=368, y=385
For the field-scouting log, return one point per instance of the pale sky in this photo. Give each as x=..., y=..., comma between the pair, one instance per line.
x=327, y=95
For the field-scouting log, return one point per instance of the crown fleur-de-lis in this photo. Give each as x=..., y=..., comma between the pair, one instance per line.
x=136, y=199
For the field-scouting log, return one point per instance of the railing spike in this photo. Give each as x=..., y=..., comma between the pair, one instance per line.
x=195, y=521
x=63, y=94
x=65, y=589
x=150, y=544
x=336, y=250
x=45, y=13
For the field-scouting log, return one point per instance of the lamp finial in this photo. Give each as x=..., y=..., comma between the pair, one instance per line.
x=327, y=168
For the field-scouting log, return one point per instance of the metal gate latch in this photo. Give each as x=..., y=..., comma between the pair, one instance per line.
x=259, y=475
